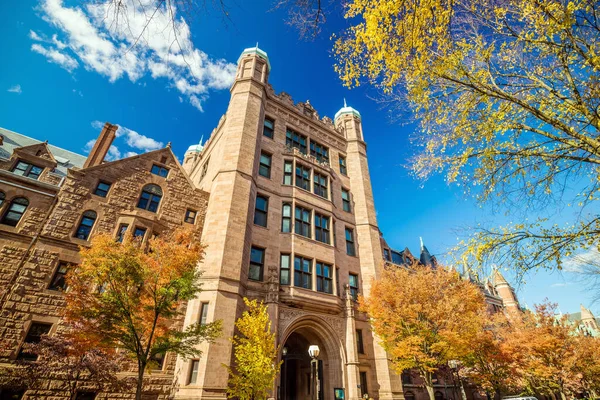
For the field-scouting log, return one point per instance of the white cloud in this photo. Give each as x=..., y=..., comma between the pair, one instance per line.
x=113, y=153
x=578, y=262
x=97, y=124
x=54, y=56
x=561, y=284
x=15, y=89
x=125, y=138
x=138, y=141
x=142, y=41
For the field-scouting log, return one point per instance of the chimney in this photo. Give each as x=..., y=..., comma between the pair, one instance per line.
x=103, y=143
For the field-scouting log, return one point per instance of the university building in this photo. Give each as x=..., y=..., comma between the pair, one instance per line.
x=280, y=197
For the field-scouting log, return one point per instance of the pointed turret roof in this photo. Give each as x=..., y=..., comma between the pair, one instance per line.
x=498, y=278
x=426, y=258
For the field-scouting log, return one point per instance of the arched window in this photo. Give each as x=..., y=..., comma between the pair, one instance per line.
x=2, y=197
x=15, y=211
x=150, y=198
x=439, y=395
x=409, y=396
x=85, y=225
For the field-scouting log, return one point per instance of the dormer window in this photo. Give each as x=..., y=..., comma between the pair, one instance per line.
x=160, y=171
x=29, y=170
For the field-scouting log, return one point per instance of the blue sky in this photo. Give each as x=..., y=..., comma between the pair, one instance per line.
x=62, y=75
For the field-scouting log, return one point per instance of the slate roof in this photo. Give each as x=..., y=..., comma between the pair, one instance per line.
x=66, y=159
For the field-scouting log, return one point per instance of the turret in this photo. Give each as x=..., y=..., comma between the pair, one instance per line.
x=505, y=291
x=253, y=64
x=349, y=120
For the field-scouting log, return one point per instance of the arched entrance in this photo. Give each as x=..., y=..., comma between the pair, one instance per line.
x=296, y=381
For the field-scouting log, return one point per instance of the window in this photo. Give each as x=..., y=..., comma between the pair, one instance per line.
x=303, y=272
x=320, y=152
x=350, y=242
x=439, y=395
x=322, y=228
x=286, y=218
x=121, y=232
x=150, y=198
x=302, y=223
x=261, y=209
x=11, y=393
x=158, y=360
x=257, y=261
x=386, y=255
x=34, y=335
x=302, y=176
x=364, y=388
x=85, y=225
x=15, y=211
x=294, y=139
x=288, y=167
x=2, y=197
x=194, y=371
x=139, y=232
x=409, y=395
x=190, y=216
x=102, y=189
x=343, y=168
x=85, y=395
x=264, y=168
x=353, y=283
x=160, y=171
x=359, y=342
x=204, y=168
x=203, y=313
x=397, y=258
x=320, y=185
x=284, y=272
x=58, y=280
x=346, y=200
x=406, y=379
x=269, y=128
x=324, y=278
x=29, y=170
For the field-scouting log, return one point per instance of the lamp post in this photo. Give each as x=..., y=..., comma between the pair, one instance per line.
x=284, y=352
x=313, y=352
x=454, y=364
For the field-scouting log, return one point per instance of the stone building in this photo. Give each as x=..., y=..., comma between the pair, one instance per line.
x=280, y=197
x=53, y=201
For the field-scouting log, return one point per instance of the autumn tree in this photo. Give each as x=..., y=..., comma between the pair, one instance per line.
x=491, y=363
x=587, y=364
x=255, y=354
x=130, y=296
x=507, y=95
x=424, y=317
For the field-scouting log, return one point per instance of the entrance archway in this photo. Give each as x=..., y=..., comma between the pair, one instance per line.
x=295, y=376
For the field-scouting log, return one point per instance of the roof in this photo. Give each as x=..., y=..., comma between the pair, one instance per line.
x=255, y=50
x=66, y=159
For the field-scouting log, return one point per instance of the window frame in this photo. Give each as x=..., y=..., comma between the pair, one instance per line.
x=296, y=140
x=187, y=217
x=260, y=265
x=322, y=278
x=350, y=241
x=193, y=378
x=151, y=198
x=84, y=229
x=27, y=171
x=282, y=281
x=360, y=344
x=161, y=171
x=59, y=276
x=319, y=152
x=121, y=232
x=21, y=355
x=300, y=273
x=286, y=218
x=203, y=313
x=324, y=232
x=265, y=167
x=9, y=210
x=346, y=205
x=354, y=288
x=270, y=129
x=288, y=175
x=319, y=188
x=300, y=180
x=97, y=190
x=261, y=212
x=342, y=164
x=300, y=224
x=141, y=229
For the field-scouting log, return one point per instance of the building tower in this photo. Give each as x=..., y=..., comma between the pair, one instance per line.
x=290, y=221
x=588, y=320
x=505, y=291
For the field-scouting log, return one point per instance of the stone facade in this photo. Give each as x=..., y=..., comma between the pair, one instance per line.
x=46, y=235
x=284, y=206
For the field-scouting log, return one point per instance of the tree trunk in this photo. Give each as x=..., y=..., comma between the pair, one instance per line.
x=562, y=395
x=140, y=383
x=428, y=384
